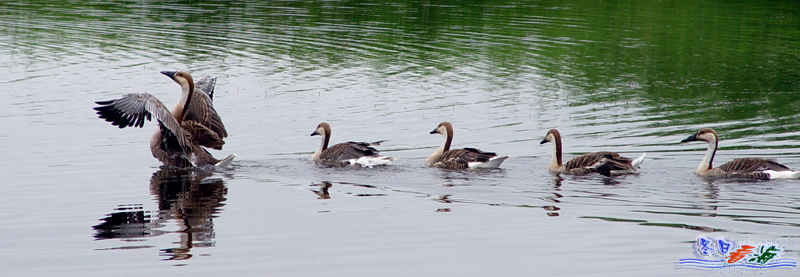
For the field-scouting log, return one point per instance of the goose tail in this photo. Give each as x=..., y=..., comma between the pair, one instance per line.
x=226, y=162
x=370, y=161
x=638, y=161
x=494, y=162
x=783, y=174
x=377, y=143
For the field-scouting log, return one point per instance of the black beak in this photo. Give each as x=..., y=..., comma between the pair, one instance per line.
x=690, y=138
x=543, y=141
x=170, y=74
x=434, y=131
x=314, y=133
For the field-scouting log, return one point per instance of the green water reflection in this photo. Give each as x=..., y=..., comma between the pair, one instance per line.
x=683, y=62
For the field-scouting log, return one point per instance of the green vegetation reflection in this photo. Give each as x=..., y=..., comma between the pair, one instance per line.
x=683, y=62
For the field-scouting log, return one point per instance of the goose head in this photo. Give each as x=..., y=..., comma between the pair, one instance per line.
x=444, y=128
x=555, y=137
x=710, y=136
x=552, y=136
x=323, y=129
x=706, y=134
x=183, y=78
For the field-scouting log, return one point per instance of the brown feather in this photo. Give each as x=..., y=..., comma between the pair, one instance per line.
x=180, y=136
x=460, y=158
x=602, y=162
x=202, y=135
x=750, y=168
x=348, y=150
x=749, y=165
x=202, y=111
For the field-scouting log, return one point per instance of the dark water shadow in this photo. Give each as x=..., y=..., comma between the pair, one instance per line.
x=323, y=190
x=188, y=197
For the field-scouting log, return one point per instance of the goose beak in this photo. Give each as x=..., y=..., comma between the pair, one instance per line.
x=169, y=74
x=543, y=141
x=690, y=138
x=314, y=133
x=434, y=132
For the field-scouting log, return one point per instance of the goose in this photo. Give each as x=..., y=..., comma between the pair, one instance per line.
x=443, y=157
x=347, y=153
x=751, y=168
x=604, y=162
x=183, y=132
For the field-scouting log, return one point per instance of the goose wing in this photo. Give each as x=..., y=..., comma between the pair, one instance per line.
x=772, y=164
x=202, y=135
x=748, y=165
x=132, y=110
x=349, y=150
x=609, y=163
x=206, y=84
x=460, y=158
x=602, y=162
x=201, y=110
x=591, y=159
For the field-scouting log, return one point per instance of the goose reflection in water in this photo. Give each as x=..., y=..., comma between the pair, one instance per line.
x=186, y=196
x=323, y=190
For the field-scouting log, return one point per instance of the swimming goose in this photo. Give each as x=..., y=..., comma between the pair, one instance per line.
x=347, y=153
x=752, y=168
x=443, y=157
x=604, y=162
x=183, y=132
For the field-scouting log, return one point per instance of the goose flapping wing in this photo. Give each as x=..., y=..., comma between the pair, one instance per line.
x=201, y=110
x=206, y=84
x=202, y=135
x=133, y=108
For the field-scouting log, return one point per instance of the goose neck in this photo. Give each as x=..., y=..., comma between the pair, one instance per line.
x=708, y=159
x=555, y=160
x=322, y=146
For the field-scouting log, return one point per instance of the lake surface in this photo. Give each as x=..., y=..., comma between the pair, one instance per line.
x=85, y=198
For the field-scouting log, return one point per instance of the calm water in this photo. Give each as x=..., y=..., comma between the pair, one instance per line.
x=85, y=198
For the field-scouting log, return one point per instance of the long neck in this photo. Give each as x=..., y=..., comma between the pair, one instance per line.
x=322, y=146
x=448, y=138
x=555, y=160
x=187, y=91
x=706, y=164
x=442, y=148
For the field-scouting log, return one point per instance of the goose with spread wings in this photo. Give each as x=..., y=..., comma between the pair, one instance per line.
x=183, y=131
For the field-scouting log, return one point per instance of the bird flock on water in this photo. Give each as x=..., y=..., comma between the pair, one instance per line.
x=192, y=126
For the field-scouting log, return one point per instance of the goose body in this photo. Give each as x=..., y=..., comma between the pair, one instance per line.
x=750, y=168
x=444, y=157
x=604, y=162
x=347, y=153
x=183, y=131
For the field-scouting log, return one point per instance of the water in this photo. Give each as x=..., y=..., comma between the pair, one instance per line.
x=85, y=198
